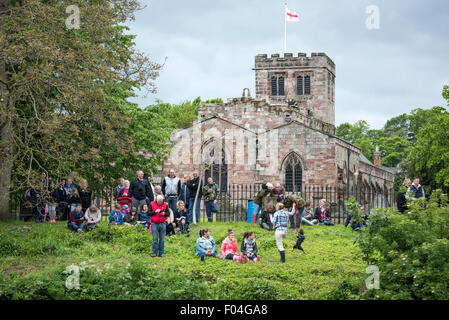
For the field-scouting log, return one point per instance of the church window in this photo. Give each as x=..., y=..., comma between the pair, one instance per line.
x=293, y=174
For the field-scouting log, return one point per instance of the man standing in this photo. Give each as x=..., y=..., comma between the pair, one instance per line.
x=139, y=191
x=417, y=189
x=210, y=191
x=150, y=182
x=159, y=213
x=171, y=188
x=184, y=196
x=69, y=188
x=119, y=188
x=62, y=200
x=194, y=185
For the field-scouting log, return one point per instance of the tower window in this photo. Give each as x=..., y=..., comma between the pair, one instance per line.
x=303, y=85
x=274, y=86
x=277, y=86
x=307, y=85
x=281, y=86
x=299, y=84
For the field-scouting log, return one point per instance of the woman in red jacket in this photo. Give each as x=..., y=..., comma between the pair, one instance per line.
x=159, y=213
x=229, y=247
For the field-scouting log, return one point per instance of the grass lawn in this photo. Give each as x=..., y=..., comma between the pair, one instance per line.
x=116, y=264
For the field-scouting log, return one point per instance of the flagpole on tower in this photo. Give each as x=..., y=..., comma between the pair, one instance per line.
x=285, y=28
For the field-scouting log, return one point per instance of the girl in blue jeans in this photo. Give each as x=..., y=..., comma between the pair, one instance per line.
x=205, y=246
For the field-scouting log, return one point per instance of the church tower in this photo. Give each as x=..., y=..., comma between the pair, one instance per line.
x=308, y=82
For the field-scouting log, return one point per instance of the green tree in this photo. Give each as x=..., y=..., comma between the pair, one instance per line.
x=62, y=90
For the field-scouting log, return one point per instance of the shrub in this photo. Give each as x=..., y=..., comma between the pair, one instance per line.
x=411, y=250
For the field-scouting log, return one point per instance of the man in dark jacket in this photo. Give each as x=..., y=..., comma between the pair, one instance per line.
x=140, y=191
x=417, y=189
x=184, y=196
x=194, y=185
x=62, y=200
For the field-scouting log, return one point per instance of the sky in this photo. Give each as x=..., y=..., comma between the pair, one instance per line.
x=209, y=47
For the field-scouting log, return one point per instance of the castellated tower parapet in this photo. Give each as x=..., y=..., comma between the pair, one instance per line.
x=308, y=82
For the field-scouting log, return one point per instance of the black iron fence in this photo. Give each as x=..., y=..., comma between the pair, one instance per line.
x=234, y=203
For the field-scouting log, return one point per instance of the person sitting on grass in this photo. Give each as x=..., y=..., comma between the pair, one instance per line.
x=249, y=247
x=267, y=217
x=130, y=219
x=323, y=214
x=76, y=219
x=144, y=217
x=205, y=246
x=307, y=215
x=116, y=217
x=229, y=248
x=357, y=225
x=183, y=227
x=180, y=212
x=92, y=218
x=300, y=240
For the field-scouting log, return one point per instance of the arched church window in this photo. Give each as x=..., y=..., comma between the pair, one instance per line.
x=293, y=174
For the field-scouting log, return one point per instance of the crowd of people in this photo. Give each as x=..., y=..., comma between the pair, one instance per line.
x=167, y=209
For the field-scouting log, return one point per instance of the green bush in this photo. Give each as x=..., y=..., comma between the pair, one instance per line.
x=411, y=250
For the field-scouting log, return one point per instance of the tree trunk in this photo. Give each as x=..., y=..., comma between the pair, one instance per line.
x=5, y=142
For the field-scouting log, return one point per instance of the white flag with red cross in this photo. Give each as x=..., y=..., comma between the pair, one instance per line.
x=291, y=15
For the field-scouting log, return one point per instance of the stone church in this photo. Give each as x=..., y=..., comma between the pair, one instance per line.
x=285, y=134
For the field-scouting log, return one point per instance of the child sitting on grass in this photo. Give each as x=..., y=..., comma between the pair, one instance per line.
x=300, y=240
x=144, y=217
x=183, y=226
x=92, y=217
x=116, y=216
x=76, y=219
x=205, y=246
x=229, y=247
x=249, y=247
x=131, y=218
